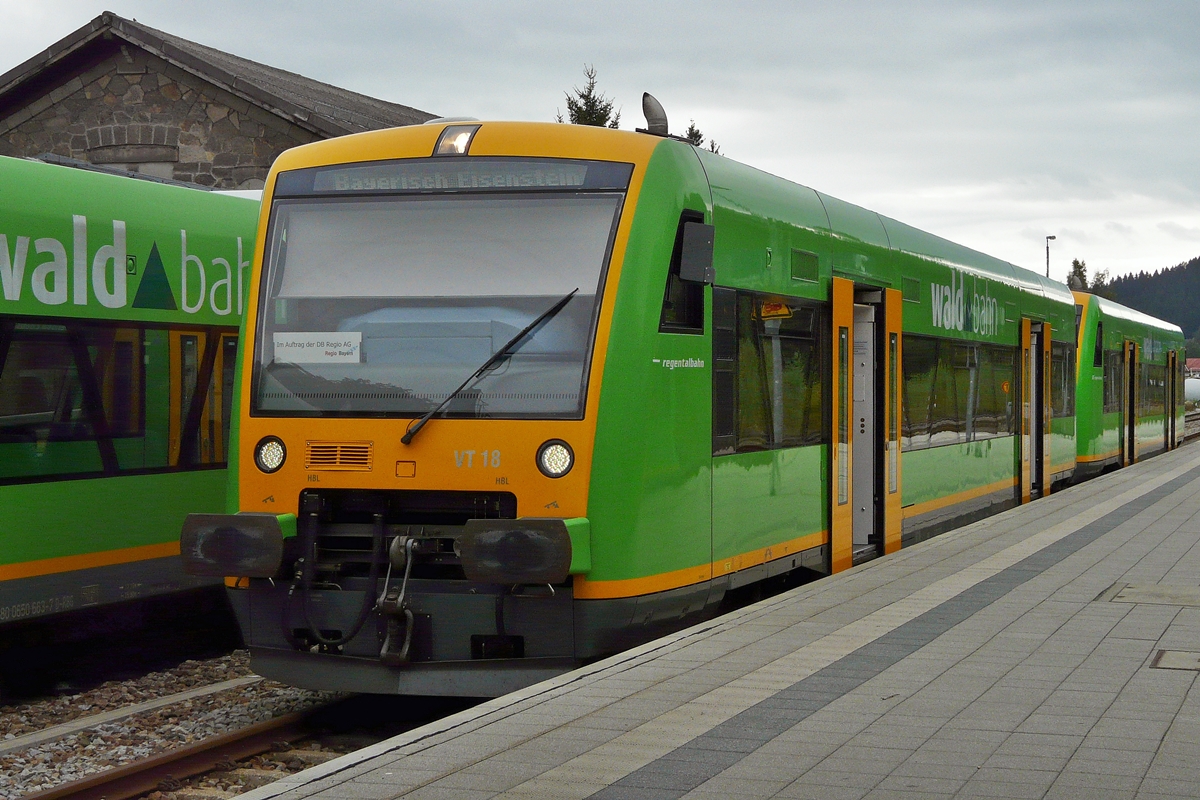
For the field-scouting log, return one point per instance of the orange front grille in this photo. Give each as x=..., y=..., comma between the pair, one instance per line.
x=339, y=456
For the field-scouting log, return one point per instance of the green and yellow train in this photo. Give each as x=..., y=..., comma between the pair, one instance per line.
x=1131, y=379
x=516, y=396
x=120, y=303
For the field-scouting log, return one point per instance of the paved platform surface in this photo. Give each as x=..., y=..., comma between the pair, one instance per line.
x=1047, y=652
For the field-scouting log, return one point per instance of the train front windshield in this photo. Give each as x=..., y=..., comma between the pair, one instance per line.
x=388, y=285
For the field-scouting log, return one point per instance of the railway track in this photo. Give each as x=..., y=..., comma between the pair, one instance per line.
x=228, y=764
x=165, y=770
x=1191, y=424
x=49, y=741
x=277, y=744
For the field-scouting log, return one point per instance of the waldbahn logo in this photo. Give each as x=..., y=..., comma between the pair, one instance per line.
x=56, y=274
x=955, y=310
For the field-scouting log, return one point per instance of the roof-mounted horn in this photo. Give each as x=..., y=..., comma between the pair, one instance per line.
x=656, y=117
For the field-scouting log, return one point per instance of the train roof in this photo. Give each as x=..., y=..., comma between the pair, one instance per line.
x=1111, y=308
x=67, y=175
x=737, y=186
x=849, y=221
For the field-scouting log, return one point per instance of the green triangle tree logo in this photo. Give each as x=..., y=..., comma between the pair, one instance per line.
x=155, y=290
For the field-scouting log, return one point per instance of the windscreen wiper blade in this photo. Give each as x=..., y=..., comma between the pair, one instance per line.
x=509, y=348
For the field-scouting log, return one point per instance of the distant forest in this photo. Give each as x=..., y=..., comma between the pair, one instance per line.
x=1172, y=294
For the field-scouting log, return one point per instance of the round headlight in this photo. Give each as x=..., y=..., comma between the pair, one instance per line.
x=269, y=454
x=555, y=458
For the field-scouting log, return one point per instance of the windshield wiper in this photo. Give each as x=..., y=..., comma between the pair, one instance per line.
x=509, y=348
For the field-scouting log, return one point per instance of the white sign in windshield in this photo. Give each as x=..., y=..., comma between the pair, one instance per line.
x=319, y=348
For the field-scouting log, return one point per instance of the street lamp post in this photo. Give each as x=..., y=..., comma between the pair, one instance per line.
x=1048, y=238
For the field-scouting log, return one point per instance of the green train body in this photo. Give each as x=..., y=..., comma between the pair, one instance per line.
x=1130, y=384
x=768, y=379
x=117, y=297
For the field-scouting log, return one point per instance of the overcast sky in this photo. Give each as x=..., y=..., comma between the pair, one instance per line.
x=992, y=124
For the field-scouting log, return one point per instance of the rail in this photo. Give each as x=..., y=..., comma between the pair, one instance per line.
x=144, y=776
x=1191, y=424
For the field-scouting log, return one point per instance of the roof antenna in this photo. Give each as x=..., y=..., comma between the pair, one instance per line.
x=656, y=117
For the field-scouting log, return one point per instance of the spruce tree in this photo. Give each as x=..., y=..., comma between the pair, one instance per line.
x=589, y=107
x=1077, y=279
x=696, y=137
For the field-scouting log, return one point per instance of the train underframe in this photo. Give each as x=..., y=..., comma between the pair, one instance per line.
x=371, y=595
x=385, y=606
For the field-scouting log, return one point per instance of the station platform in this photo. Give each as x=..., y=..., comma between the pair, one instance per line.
x=1051, y=651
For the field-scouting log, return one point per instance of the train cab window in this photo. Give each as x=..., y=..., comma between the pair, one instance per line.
x=683, y=301
x=416, y=315
x=1098, y=355
x=769, y=372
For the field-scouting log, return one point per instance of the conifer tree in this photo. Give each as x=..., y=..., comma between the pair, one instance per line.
x=589, y=107
x=1077, y=279
x=696, y=137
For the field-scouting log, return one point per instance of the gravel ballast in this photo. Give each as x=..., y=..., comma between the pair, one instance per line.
x=125, y=740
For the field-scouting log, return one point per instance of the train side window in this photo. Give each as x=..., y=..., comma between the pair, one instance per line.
x=754, y=384
x=769, y=372
x=724, y=395
x=993, y=412
x=188, y=375
x=951, y=387
x=38, y=393
x=1098, y=355
x=228, y=365
x=956, y=392
x=67, y=390
x=803, y=357
x=683, y=301
x=118, y=364
x=121, y=388
x=1153, y=395
x=1180, y=377
x=919, y=364
x=202, y=365
x=805, y=266
x=42, y=389
x=1062, y=379
x=1114, y=381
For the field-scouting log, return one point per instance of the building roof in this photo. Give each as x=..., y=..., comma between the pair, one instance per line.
x=323, y=109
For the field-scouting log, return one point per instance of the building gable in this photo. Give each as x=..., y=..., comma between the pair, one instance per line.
x=120, y=94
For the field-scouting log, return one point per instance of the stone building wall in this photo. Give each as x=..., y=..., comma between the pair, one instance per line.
x=137, y=112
